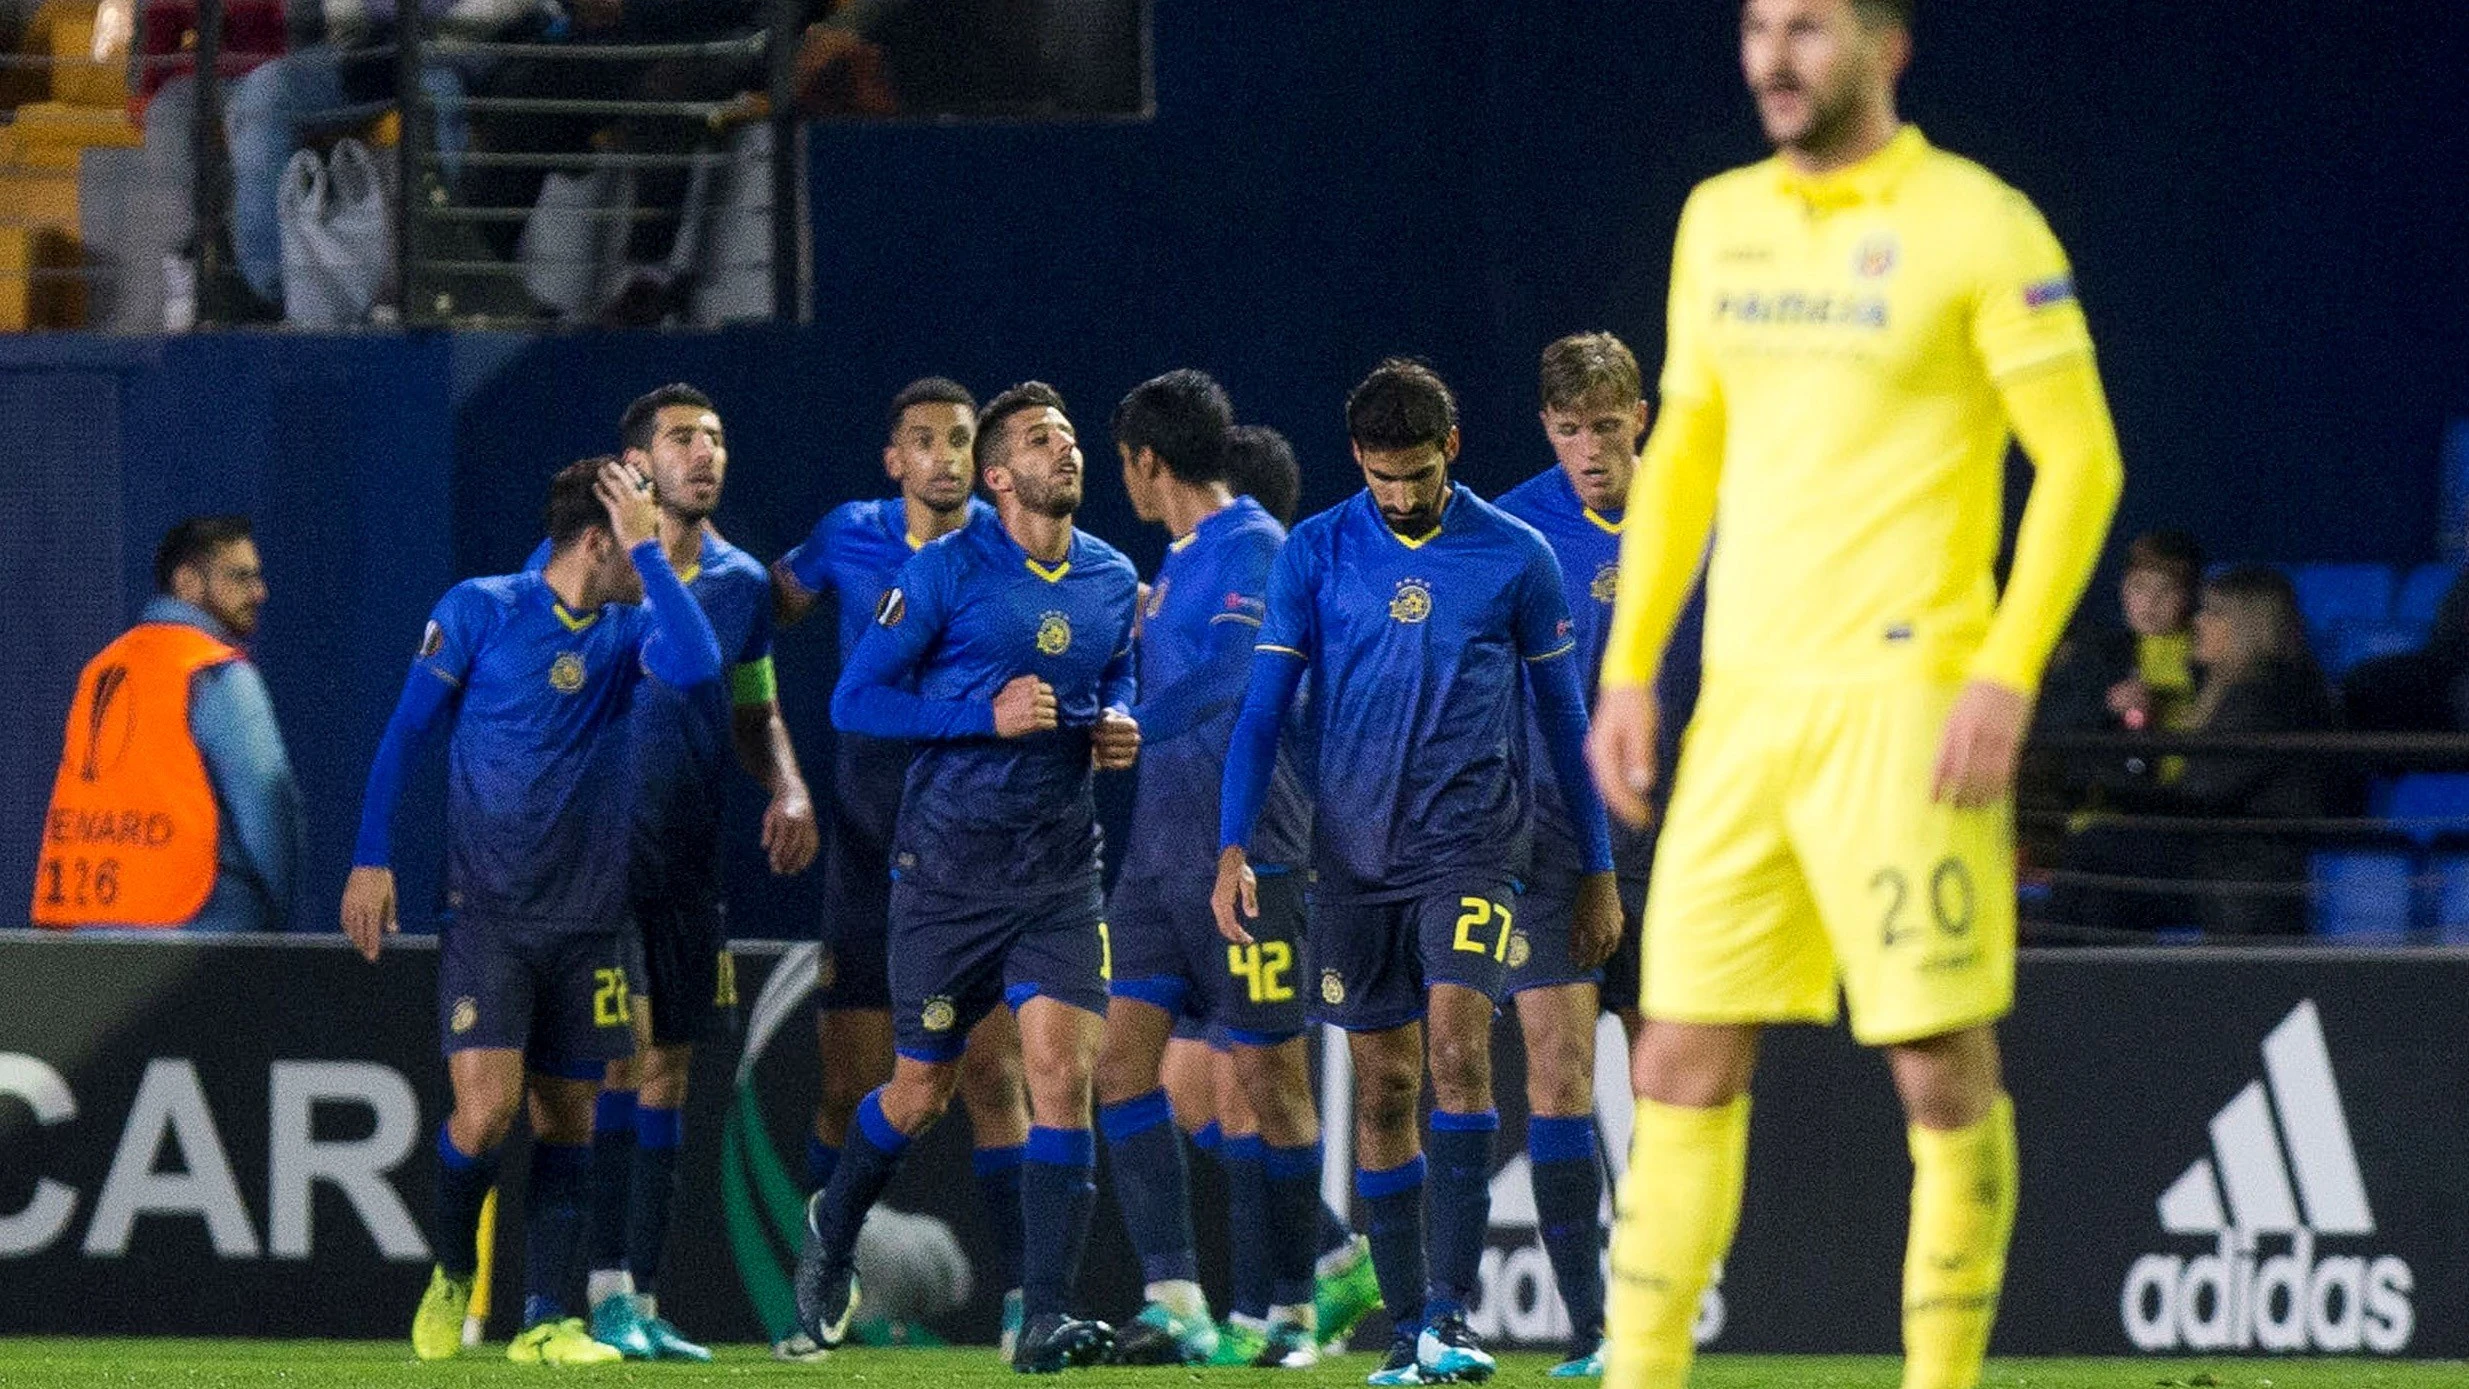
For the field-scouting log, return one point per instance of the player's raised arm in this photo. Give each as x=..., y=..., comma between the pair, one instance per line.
x=800, y=576
x=681, y=650
x=431, y=692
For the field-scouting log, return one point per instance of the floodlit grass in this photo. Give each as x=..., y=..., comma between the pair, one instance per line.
x=314, y=1364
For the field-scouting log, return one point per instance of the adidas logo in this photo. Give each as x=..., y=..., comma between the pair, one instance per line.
x=2250, y=1295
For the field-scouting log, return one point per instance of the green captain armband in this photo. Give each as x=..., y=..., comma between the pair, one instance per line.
x=753, y=683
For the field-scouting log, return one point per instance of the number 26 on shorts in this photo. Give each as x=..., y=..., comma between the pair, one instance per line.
x=1479, y=913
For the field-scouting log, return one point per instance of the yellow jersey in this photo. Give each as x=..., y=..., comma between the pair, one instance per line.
x=1844, y=339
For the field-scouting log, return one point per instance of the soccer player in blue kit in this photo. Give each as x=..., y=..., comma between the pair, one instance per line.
x=853, y=552
x=1195, y=651
x=1004, y=651
x=1415, y=605
x=536, y=673
x=681, y=749
x=1594, y=414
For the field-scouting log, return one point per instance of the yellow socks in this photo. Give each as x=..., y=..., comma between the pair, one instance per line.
x=1678, y=1207
x=1963, y=1210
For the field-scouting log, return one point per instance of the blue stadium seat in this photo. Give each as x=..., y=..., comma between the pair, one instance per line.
x=2331, y=594
x=2426, y=805
x=2449, y=895
x=2349, y=643
x=2363, y=896
x=2420, y=593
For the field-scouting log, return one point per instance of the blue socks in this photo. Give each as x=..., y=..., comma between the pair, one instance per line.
x=1291, y=1191
x=1250, y=1237
x=1395, y=1198
x=658, y=1135
x=821, y=1159
x=1058, y=1185
x=1150, y=1185
x=1568, y=1176
x=612, y=1176
x=463, y=1183
x=998, y=1193
x=866, y=1166
x=553, y=1227
x=1461, y=1152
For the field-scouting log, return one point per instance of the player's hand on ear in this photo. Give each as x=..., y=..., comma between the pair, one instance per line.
x=1237, y=890
x=626, y=494
x=1596, y=921
x=1114, y=744
x=1620, y=748
x=1984, y=739
x=1024, y=706
x=368, y=909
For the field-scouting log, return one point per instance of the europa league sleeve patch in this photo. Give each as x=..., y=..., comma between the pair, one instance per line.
x=432, y=640
x=893, y=606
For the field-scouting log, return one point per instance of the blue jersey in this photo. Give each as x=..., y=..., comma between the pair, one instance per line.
x=1194, y=657
x=539, y=786
x=965, y=616
x=1415, y=650
x=1587, y=545
x=854, y=551
x=684, y=741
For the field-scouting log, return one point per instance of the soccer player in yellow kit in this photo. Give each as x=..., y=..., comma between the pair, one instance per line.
x=1856, y=326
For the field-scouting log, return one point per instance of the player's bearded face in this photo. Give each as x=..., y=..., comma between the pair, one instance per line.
x=1808, y=63
x=1045, y=463
x=929, y=455
x=1409, y=485
x=232, y=587
x=688, y=459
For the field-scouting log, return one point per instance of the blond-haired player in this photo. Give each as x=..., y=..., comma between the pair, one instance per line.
x=1857, y=325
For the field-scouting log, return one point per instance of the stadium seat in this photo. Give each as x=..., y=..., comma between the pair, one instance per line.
x=2364, y=895
x=2331, y=594
x=2426, y=805
x=2348, y=644
x=2421, y=593
x=2448, y=895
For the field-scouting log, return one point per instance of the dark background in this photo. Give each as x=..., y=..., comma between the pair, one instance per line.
x=2266, y=204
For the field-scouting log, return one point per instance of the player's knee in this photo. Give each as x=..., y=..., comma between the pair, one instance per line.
x=1461, y=1073
x=1386, y=1098
x=478, y=1127
x=1560, y=1075
x=1947, y=1082
x=990, y=1079
x=1124, y=1072
x=918, y=1096
x=660, y=1077
x=1692, y=1067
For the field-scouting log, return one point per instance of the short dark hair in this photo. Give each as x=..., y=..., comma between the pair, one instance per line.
x=574, y=503
x=1028, y=395
x=1182, y=417
x=1884, y=14
x=195, y=540
x=1260, y=464
x=928, y=390
x=1403, y=404
x=1588, y=366
x=2176, y=555
x=634, y=428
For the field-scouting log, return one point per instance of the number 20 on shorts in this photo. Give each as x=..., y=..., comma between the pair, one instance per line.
x=1479, y=914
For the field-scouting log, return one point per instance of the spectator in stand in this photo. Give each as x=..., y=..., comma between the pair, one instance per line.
x=175, y=803
x=2421, y=691
x=2259, y=676
x=338, y=76
x=2141, y=675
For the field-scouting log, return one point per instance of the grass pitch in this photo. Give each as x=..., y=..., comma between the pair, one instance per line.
x=316, y=1364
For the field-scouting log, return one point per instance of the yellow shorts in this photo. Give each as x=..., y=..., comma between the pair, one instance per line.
x=1802, y=849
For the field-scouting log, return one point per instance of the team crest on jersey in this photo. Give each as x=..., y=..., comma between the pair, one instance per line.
x=1520, y=950
x=1054, y=634
x=1332, y=987
x=938, y=1015
x=1606, y=586
x=1876, y=257
x=1412, y=602
x=466, y=1015
x=566, y=672
x=432, y=640
x=890, y=608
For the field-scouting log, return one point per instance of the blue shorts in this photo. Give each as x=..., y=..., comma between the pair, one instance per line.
x=1541, y=960
x=1373, y=962
x=561, y=998
x=687, y=971
x=1168, y=953
x=853, y=973
x=955, y=957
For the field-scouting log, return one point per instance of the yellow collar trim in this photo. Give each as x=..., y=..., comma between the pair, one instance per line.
x=690, y=573
x=1052, y=576
x=573, y=623
x=914, y=542
x=1183, y=540
x=1412, y=542
x=1614, y=527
